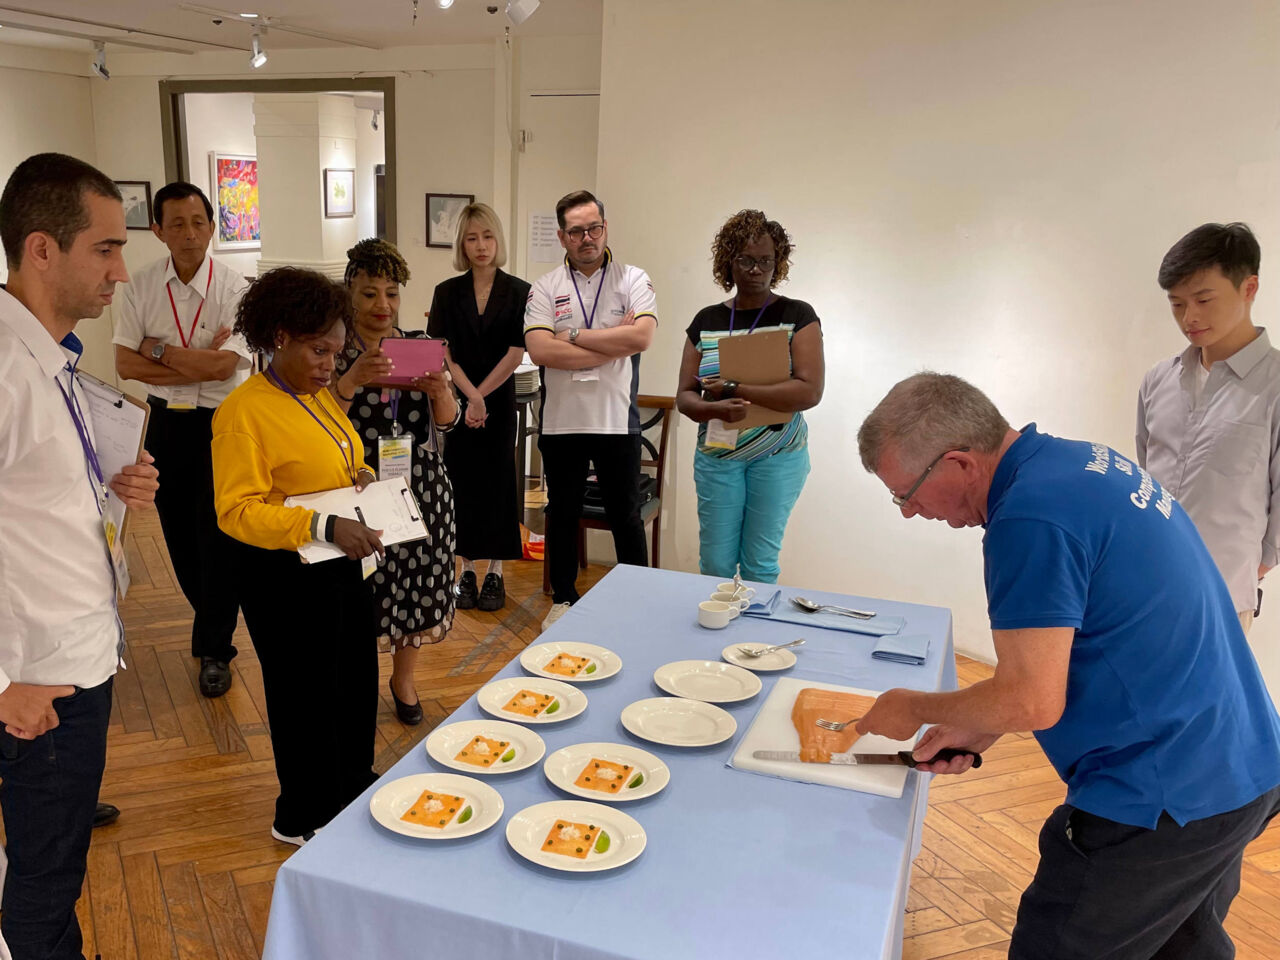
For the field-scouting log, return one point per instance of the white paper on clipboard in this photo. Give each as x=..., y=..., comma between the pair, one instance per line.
x=386, y=505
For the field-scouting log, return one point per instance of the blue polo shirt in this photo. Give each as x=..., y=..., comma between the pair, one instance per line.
x=1166, y=709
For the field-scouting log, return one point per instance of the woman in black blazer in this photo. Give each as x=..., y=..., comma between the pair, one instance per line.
x=481, y=314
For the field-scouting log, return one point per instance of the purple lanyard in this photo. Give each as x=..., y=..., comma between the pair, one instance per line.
x=733, y=311
x=600, y=293
x=349, y=464
x=92, y=467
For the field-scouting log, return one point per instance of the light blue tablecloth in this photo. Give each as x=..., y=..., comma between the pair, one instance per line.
x=737, y=865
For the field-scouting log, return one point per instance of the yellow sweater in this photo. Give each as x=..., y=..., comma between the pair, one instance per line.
x=265, y=448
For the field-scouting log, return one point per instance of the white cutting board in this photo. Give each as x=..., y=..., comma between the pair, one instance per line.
x=772, y=730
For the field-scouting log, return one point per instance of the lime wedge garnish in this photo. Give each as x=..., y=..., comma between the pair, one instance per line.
x=509, y=755
x=465, y=815
x=591, y=668
x=636, y=781
x=555, y=705
x=602, y=842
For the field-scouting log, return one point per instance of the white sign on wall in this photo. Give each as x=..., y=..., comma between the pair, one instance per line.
x=544, y=245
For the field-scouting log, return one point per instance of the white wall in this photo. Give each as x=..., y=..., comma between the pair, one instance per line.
x=221, y=122
x=370, y=151
x=982, y=188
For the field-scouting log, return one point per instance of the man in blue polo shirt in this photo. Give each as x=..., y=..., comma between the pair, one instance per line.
x=1119, y=645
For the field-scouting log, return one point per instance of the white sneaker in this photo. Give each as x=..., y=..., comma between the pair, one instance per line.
x=557, y=611
x=296, y=841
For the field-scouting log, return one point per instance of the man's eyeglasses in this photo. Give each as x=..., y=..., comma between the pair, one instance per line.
x=595, y=231
x=901, y=501
x=745, y=263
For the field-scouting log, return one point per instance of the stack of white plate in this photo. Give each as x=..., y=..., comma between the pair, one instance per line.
x=527, y=381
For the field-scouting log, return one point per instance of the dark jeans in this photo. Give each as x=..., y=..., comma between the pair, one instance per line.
x=48, y=791
x=180, y=440
x=312, y=627
x=1109, y=891
x=565, y=459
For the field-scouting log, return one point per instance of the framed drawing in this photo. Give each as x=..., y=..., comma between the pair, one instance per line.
x=234, y=177
x=442, y=216
x=137, y=203
x=339, y=193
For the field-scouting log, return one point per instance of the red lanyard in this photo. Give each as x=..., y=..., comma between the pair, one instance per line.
x=186, y=340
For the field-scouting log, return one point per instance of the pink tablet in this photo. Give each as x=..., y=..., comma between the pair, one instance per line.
x=412, y=357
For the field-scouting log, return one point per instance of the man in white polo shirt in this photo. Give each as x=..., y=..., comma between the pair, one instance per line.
x=173, y=332
x=62, y=225
x=586, y=324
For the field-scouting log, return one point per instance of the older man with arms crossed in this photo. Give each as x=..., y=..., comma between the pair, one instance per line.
x=1119, y=645
x=62, y=225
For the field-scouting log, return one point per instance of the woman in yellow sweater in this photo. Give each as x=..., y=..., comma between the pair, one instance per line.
x=279, y=434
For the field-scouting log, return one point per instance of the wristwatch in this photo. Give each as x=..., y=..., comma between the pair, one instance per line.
x=728, y=389
x=157, y=353
x=573, y=334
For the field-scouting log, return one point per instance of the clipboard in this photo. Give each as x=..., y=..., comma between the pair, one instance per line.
x=386, y=505
x=758, y=359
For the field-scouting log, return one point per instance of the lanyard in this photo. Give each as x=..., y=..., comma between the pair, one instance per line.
x=733, y=310
x=599, y=294
x=186, y=340
x=92, y=467
x=350, y=464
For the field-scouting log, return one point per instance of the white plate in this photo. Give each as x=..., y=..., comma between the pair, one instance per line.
x=563, y=766
x=677, y=722
x=393, y=799
x=778, y=660
x=604, y=661
x=528, y=829
x=445, y=742
x=494, y=696
x=707, y=680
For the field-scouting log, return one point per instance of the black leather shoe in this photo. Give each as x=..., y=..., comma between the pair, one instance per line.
x=493, y=595
x=104, y=814
x=215, y=677
x=409, y=713
x=465, y=591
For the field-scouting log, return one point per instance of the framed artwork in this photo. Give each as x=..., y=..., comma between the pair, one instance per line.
x=137, y=203
x=234, y=177
x=339, y=193
x=442, y=216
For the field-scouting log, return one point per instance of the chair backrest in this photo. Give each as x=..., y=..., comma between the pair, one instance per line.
x=655, y=428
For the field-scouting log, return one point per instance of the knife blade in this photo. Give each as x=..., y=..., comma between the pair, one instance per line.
x=902, y=758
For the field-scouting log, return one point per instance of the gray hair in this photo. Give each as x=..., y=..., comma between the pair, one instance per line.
x=927, y=414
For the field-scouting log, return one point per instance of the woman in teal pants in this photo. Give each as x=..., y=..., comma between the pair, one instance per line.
x=749, y=479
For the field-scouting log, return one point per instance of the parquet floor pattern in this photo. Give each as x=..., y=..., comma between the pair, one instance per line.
x=187, y=872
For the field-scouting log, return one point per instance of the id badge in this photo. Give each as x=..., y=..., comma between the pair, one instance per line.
x=719, y=434
x=184, y=396
x=587, y=375
x=115, y=551
x=368, y=565
x=395, y=457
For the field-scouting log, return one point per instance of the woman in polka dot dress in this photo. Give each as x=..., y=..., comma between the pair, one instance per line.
x=413, y=588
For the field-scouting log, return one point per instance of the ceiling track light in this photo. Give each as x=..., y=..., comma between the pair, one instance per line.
x=444, y=4
x=99, y=65
x=258, y=56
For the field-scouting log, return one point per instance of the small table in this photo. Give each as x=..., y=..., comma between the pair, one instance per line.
x=738, y=865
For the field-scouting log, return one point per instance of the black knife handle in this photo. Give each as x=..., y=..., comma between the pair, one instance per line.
x=944, y=755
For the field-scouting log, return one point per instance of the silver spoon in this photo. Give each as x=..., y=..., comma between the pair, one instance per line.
x=812, y=607
x=761, y=651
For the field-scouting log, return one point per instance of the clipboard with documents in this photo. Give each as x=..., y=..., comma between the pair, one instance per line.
x=119, y=424
x=757, y=359
x=386, y=505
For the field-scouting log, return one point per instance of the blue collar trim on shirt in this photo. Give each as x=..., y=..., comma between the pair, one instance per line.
x=72, y=343
x=1021, y=450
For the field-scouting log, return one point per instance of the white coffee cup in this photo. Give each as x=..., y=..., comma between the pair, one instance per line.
x=740, y=602
x=715, y=614
x=742, y=591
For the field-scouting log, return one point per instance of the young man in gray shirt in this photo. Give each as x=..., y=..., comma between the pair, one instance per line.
x=1209, y=418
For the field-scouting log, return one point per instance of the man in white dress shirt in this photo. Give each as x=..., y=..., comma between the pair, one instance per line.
x=173, y=332
x=62, y=225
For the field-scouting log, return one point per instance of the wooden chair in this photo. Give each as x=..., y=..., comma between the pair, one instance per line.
x=656, y=414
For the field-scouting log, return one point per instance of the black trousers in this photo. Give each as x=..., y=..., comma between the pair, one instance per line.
x=1110, y=891
x=48, y=791
x=312, y=627
x=566, y=459
x=180, y=440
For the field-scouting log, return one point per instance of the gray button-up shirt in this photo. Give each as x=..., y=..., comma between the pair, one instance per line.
x=1220, y=458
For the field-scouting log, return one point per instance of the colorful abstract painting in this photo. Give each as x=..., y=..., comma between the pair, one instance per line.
x=235, y=189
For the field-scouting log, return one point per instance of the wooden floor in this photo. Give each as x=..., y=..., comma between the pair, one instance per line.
x=186, y=873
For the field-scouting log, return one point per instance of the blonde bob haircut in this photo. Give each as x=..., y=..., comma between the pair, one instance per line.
x=483, y=214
